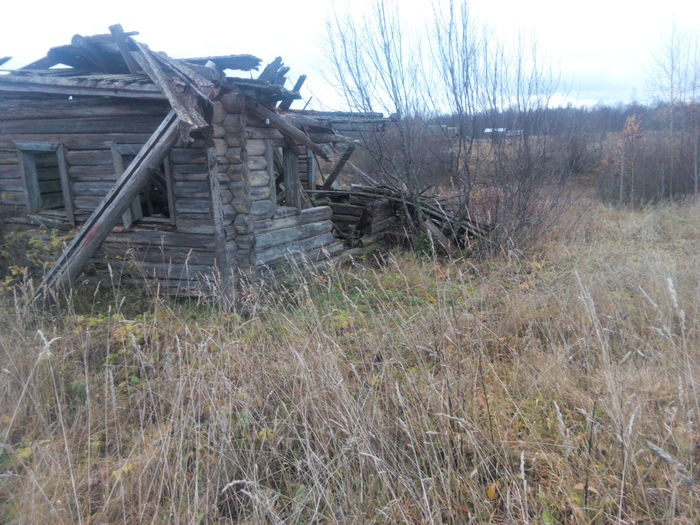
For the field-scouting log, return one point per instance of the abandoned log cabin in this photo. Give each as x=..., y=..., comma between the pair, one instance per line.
x=196, y=176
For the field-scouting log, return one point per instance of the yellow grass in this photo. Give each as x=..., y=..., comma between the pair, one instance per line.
x=557, y=387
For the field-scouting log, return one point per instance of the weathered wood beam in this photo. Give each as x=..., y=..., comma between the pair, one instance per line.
x=183, y=107
x=287, y=128
x=434, y=232
x=67, y=86
x=287, y=101
x=123, y=43
x=271, y=70
x=204, y=87
x=292, y=184
x=97, y=56
x=328, y=183
x=108, y=213
x=222, y=260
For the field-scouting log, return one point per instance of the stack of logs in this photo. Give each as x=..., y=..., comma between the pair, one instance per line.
x=365, y=215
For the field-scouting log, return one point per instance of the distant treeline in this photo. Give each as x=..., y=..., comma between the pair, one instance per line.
x=568, y=119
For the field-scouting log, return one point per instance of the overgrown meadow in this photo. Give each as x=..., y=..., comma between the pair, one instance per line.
x=556, y=386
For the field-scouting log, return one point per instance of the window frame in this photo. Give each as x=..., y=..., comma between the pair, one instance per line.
x=135, y=212
x=27, y=163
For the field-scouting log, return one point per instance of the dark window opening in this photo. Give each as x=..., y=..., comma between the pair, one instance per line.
x=45, y=174
x=156, y=202
x=48, y=177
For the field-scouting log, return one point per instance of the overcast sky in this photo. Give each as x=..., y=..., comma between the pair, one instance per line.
x=604, y=49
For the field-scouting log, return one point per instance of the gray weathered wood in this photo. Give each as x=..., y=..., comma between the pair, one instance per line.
x=286, y=127
x=222, y=255
x=328, y=183
x=178, y=101
x=123, y=43
x=291, y=178
x=98, y=226
x=65, y=184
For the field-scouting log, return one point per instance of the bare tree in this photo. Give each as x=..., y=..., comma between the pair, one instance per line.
x=674, y=83
x=378, y=65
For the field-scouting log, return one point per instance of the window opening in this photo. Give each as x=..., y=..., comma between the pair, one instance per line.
x=45, y=175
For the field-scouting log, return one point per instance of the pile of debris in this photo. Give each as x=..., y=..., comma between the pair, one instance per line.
x=365, y=215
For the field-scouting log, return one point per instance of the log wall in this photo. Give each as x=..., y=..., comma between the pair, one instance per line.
x=281, y=235
x=252, y=231
x=178, y=257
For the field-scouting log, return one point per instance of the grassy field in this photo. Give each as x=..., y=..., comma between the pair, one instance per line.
x=560, y=386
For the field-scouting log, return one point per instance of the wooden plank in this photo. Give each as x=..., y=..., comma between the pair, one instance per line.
x=434, y=232
x=287, y=101
x=98, y=226
x=75, y=141
x=291, y=178
x=49, y=106
x=270, y=168
x=307, y=216
x=65, y=184
x=84, y=125
x=287, y=128
x=178, y=101
x=97, y=157
x=303, y=246
x=222, y=255
x=65, y=86
x=328, y=183
x=123, y=43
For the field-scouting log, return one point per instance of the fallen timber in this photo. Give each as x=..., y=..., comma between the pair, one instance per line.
x=365, y=215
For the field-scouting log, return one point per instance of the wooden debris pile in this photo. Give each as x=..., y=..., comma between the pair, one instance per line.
x=365, y=215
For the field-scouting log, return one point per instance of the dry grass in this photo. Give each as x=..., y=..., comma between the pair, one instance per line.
x=561, y=387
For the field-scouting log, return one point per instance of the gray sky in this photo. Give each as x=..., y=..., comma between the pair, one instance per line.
x=603, y=48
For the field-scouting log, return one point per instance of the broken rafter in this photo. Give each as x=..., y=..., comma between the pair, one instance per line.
x=178, y=100
x=328, y=183
x=123, y=43
x=287, y=101
x=204, y=87
x=287, y=128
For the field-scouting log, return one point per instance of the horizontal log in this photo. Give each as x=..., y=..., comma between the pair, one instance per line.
x=341, y=208
x=264, y=133
x=13, y=197
x=9, y=171
x=76, y=141
x=193, y=205
x=91, y=188
x=195, y=226
x=97, y=172
x=90, y=157
x=289, y=235
x=81, y=125
x=162, y=238
x=306, y=216
x=188, y=156
x=304, y=246
x=258, y=178
x=26, y=107
x=382, y=225
x=161, y=270
x=12, y=185
x=8, y=156
x=189, y=169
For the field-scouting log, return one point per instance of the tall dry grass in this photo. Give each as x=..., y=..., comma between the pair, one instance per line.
x=558, y=387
